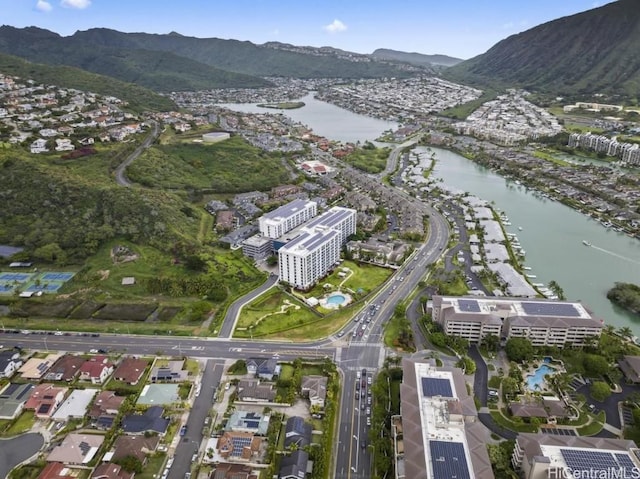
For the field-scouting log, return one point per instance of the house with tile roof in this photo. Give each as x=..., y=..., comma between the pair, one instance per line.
x=130, y=370
x=76, y=449
x=149, y=421
x=105, y=409
x=97, y=370
x=45, y=399
x=66, y=368
x=314, y=388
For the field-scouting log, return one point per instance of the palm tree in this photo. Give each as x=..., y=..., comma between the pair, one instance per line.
x=625, y=332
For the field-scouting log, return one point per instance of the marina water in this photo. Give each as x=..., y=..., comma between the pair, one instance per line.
x=551, y=234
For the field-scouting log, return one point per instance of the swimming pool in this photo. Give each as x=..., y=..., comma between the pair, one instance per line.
x=535, y=381
x=336, y=299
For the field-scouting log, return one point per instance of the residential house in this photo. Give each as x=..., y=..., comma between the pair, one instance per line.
x=543, y=407
x=39, y=146
x=264, y=368
x=294, y=465
x=137, y=446
x=57, y=470
x=173, y=371
x=64, y=144
x=35, y=368
x=232, y=471
x=10, y=362
x=314, y=388
x=297, y=432
x=149, y=421
x=97, y=370
x=76, y=449
x=130, y=370
x=251, y=390
x=108, y=470
x=65, y=368
x=105, y=409
x=13, y=398
x=284, y=190
x=45, y=399
x=75, y=406
x=252, y=422
x=238, y=445
x=225, y=220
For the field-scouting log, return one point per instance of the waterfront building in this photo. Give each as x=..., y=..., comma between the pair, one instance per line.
x=277, y=222
x=437, y=435
x=543, y=322
x=553, y=455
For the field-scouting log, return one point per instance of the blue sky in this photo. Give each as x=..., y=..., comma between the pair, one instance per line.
x=460, y=28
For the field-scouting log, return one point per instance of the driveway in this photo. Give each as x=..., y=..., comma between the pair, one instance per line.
x=481, y=376
x=18, y=449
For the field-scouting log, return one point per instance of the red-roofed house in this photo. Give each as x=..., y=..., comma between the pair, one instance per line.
x=57, y=470
x=45, y=399
x=97, y=369
x=130, y=370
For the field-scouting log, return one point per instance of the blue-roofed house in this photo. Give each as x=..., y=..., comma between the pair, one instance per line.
x=149, y=421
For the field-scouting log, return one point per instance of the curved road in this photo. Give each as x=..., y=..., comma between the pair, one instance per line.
x=229, y=322
x=17, y=449
x=121, y=178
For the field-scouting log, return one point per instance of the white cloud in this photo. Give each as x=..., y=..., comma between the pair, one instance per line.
x=335, y=27
x=43, y=6
x=79, y=4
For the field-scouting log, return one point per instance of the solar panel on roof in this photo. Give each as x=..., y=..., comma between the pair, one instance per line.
x=239, y=443
x=84, y=447
x=252, y=424
x=10, y=390
x=436, y=387
x=469, y=305
x=24, y=392
x=626, y=462
x=448, y=460
x=580, y=460
x=44, y=408
x=550, y=309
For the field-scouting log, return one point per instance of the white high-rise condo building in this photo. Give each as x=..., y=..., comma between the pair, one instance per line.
x=277, y=222
x=310, y=255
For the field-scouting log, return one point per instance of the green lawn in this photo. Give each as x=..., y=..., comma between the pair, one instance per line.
x=23, y=424
x=361, y=280
x=513, y=426
x=153, y=468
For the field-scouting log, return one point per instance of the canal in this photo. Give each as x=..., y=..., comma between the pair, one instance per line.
x=551, y=233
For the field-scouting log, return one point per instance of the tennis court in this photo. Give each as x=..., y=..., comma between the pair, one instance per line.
x=19, y=277
x=53, y=276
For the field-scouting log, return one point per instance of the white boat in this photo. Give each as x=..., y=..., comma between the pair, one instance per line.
x=586, y=243
x=519, y=228
x=526, y=268
x=531, y=276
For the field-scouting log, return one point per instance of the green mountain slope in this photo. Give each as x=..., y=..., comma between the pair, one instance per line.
x=49, y=204
x=159, y=70
x=139, y=98
x=94, y=47
x=415, y=58
x=594, y=51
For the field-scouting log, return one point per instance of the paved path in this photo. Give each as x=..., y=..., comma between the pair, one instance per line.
x=229, y=322
x=121, y=177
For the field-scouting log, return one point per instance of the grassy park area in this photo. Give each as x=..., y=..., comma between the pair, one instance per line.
x=284, y=315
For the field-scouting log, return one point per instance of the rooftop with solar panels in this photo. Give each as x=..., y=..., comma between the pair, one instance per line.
x=444, y=436
x=520, y=307
x=585, y=459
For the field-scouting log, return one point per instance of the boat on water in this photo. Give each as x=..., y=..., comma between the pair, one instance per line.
x=586, y=243
x=526, y=268
x=519, y=228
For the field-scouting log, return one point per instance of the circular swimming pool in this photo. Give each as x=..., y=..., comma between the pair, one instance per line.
x=336, y=299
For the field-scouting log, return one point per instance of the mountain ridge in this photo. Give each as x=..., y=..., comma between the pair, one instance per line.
x=590, y=52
